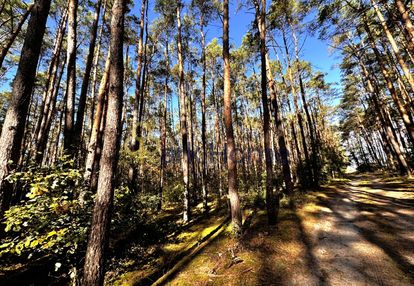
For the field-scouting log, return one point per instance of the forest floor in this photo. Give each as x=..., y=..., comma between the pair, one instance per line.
x=355, y=231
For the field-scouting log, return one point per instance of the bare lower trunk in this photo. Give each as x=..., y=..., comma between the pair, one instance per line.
x=183, y=120
x=93, y=273
x=235, y=209
x=68, y=132
x=270, y=199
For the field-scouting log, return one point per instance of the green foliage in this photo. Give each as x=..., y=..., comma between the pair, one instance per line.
x=48, y=219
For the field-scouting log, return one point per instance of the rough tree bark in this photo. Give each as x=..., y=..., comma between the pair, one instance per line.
x=101, y=216
x=68, y=131
x=183, y=118
x=15, y=120
x=270, y=199
x=236, y=216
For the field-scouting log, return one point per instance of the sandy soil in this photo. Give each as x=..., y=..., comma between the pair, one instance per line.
x=364, y=234
x=353, y=232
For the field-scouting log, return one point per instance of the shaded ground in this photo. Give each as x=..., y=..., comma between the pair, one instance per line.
x=353, y=232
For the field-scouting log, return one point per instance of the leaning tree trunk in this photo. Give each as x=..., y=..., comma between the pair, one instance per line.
x=394, y=45
x=15, y=120
x=96, y=125
x=183, y=119
x=390, y=86
x=7, y=45
x=235, y=209
x=101, y=216
x=408, y=24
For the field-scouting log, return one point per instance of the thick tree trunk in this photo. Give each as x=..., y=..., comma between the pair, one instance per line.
x=408, y=25
x=15, y=120
x=183, y=118
x=68, y=132
x=101, y=217
x=235, y=209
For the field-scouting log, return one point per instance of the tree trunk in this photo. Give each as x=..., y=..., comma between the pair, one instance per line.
x=96, y=126
x=164, y=127
x=203, y=116
x=390, y=86
x=15, y=120
x=101, y=217
x=270, y=199
x=49, y=98
x=236, y=215
x=135, y=121
x=183, y=118
x=68, y=132
x=284, y=156
x=408, y=25
x=391, y=138
x=86, y=76
x=394, y=45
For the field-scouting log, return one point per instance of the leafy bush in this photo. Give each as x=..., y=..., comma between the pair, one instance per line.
x=49, y=218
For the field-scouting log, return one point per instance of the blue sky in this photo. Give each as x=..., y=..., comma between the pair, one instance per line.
x=315, y=51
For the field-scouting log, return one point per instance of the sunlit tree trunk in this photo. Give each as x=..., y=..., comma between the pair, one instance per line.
x=49, y=98
x=235, y=210
x=96, y=126
x=183, y=118
x=13, y=127
x=394, y=45
x=408, y=25
x=93, y=272
x=390, y=86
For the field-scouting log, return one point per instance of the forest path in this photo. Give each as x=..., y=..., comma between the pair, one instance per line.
x=355, y=231
x=363, y=233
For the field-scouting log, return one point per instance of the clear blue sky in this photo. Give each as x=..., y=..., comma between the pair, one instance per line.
x=314, y=50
